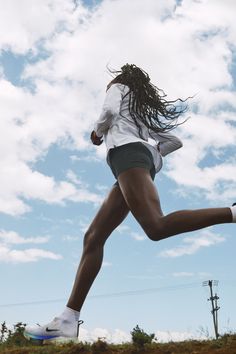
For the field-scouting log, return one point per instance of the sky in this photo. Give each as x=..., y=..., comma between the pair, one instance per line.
x=53, y=76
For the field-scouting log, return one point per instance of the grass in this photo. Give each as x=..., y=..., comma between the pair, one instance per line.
x=225, y=345
x=14, y=342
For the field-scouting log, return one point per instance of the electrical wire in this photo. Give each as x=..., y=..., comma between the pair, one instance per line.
x=111, y=295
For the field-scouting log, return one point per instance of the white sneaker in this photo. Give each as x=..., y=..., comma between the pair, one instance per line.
x=58, y=327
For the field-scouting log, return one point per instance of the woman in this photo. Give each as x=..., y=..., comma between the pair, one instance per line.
x=134, y=111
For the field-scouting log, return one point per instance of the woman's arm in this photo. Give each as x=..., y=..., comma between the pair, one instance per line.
x=110, y=109
x=167, y=142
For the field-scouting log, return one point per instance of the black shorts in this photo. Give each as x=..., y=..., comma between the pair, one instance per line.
x=124, y=157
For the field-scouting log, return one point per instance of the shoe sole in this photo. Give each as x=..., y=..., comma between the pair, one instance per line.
x=39, y=340
x=30, y=336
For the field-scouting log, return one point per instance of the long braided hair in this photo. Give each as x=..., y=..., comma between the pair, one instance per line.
x=148, y=103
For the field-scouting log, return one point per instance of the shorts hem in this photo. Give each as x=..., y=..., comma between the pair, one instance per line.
x=128, y=156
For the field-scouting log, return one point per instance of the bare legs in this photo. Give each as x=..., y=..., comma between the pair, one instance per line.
x=137, y=193
x=145, y=206
x=112, y=212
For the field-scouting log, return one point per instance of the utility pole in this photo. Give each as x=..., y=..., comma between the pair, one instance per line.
x=214, y=304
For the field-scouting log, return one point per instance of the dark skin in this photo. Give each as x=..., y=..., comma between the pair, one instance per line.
x=95, y=139
x=145, y=207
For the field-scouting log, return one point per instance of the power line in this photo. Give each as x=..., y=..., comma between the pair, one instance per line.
x=110, y=295
x=147, y=291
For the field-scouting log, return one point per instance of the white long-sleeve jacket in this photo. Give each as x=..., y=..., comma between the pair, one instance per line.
x=118, y=127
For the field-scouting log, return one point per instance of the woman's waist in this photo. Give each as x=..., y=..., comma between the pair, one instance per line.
x=157, y=158
x=113, y=141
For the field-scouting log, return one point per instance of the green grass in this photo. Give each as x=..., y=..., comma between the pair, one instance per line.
x=13, y=342
x=224, y=345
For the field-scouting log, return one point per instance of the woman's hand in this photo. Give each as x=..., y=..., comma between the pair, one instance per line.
x=95, y=139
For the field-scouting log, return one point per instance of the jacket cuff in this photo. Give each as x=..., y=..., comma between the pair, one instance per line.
x=99, y=135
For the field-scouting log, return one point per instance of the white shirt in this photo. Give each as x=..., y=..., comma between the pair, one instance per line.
x=118, y=127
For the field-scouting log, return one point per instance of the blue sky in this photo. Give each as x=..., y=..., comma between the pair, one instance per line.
x=52, y=83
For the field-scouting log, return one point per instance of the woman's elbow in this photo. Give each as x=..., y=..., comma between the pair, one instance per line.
x=180, y=144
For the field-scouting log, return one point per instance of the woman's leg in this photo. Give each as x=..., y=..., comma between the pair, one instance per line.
x=112, y=212
x=141, y=196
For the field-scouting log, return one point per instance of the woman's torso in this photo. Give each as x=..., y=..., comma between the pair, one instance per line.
x=123, y=129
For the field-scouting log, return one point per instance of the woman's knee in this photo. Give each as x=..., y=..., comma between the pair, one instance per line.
x=91, y=241
x=156, y=230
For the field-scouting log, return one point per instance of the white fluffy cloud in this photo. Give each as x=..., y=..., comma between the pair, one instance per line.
x=30, y=124
x=9, y=255
x=118, y=336
x=191, y=245
x=174, y=336
x=12, y=237
x=187, y=49
x=31, y=21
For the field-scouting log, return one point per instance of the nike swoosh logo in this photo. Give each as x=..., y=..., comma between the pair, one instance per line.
x=51, y=330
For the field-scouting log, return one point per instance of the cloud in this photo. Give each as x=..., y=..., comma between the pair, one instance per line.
x=27, y=26
x=70, y=238
x=125, y=229
x=182, y=274
x=207, y=162
x=137, y=237
x=29, y=131
x=174, y=336
x=88, y=158
x=115, y=337
x=73, y=177
x=187, y=49
x=118, y=336
x=9, y=255
x=12, y=237
x=102, y=188
x=200, y=275
x=191, y=245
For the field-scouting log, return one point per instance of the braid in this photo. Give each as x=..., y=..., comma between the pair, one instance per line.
x=148, y=103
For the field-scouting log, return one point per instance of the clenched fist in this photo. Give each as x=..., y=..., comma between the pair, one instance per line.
x=95, y=139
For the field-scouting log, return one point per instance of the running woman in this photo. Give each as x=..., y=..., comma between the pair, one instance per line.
x=134, y=111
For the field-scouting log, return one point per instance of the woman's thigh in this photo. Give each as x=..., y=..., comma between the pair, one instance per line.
x=142, y=198
x=112, y=212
